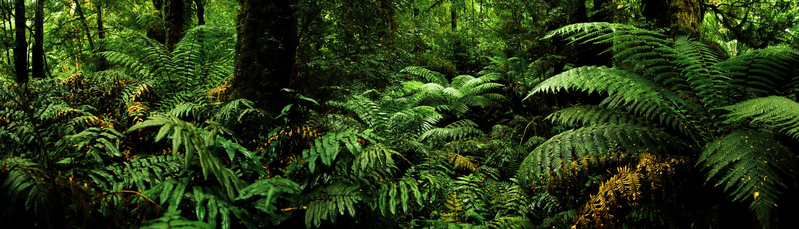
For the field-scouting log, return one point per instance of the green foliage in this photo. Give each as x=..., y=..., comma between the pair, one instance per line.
x=25, y=184
x=172, y=219
x=140, y=173
x=331, y=201
x=658, y=87
x=772, y=112
x=749, y=162
x=457, y=96
x=196, y=142
x=269, y=190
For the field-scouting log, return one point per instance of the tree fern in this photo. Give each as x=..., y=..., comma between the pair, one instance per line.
x=773, y=111
x=574, y=149
x=749, y=164
x=594, y=115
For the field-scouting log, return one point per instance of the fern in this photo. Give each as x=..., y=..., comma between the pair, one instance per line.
x=749, y=164
x=267, y=192
x=594, y=115
x=430, y=76
x=169, y=192
x=456, y=130
x=328, y=147
x=24, y=184
x=773, y=111
x=575, y=148
x=98, y=142
x=374, y=161
x=211, y=206
x=399, y=195
x=138, y=173
x=512, y=222
x=196, y=142
x=172, y=219
x=331, y=201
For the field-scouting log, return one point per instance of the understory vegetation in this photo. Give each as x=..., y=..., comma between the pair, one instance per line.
x=399, y=114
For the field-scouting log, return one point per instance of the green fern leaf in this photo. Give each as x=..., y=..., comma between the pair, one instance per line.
x=563, y=152
x=749, y=165
x=773, y=111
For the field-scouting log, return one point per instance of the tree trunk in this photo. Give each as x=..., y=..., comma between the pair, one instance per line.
x=82, y=17
x=102, y=65
x=265, y=51
x=680, y=16
x=173, y=18
x=21, y=48
x=37, y=63
x=200, y=11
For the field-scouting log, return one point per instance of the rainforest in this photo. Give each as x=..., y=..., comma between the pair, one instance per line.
x=388, y=114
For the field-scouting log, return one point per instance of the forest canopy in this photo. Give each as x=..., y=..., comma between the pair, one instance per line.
x=399, y=113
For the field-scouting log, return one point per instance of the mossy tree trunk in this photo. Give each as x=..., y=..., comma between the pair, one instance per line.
x=174, y=20
x=265, y=51
x=679, y=16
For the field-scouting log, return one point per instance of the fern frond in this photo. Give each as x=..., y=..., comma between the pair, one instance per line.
x=587, y=145
x=169, y=192
x=172, y=219
x=594, y=115
x=374, y=160
x=196, y=142
x=627, y=90
x=758, y=71
x=512, y=222
x=330, y=202
x=399, y=195
x=456, y=130
x=139, y=173
x=749, y=164
x=624, y=186
x=25, y=183
x=430, y=76
x=773, y=111
x=269, y=190
x=698, y=65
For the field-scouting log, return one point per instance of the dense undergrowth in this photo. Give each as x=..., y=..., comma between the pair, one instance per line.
x=667, y=131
